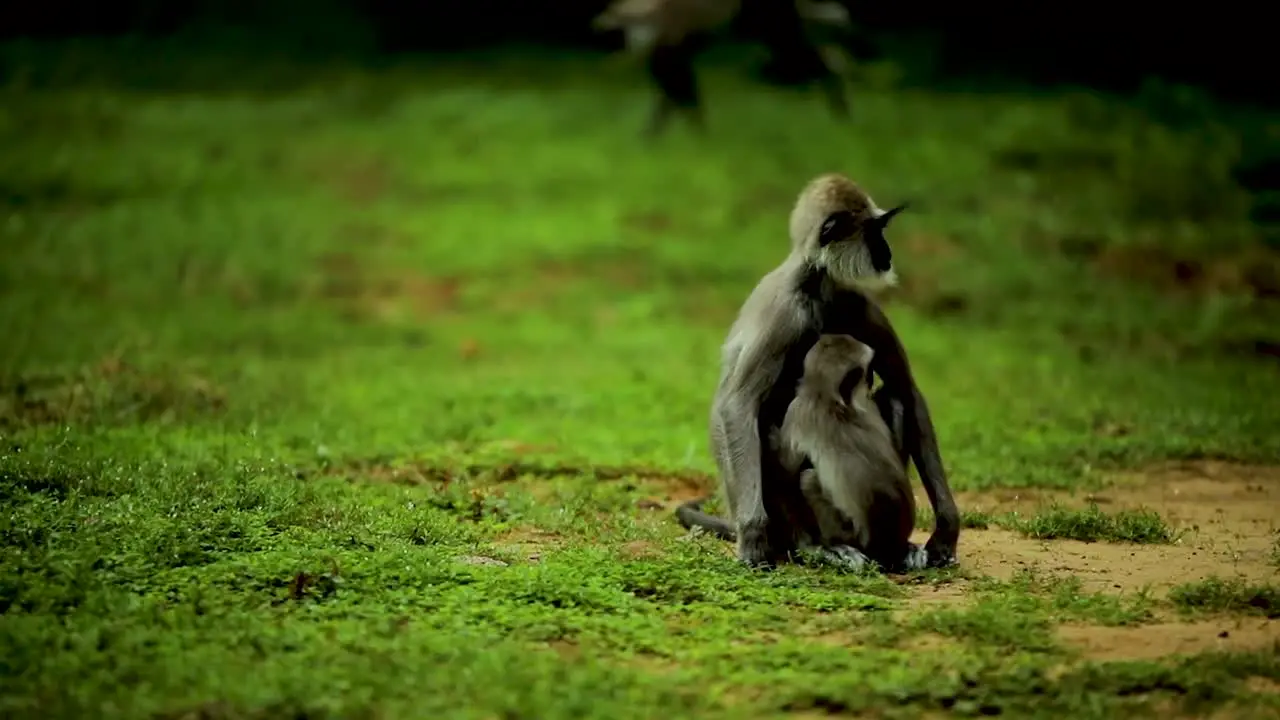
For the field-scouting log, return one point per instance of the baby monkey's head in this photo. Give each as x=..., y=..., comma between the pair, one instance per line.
x=842, y=363
x=838, y=227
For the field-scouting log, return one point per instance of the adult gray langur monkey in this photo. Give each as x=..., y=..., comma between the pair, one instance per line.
x=857, y=487
x=839, y=260
x=804, y=35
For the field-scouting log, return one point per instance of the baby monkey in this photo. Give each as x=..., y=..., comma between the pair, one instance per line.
x=857, y=486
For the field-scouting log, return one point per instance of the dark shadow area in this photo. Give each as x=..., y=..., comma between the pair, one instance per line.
x=1089, y=43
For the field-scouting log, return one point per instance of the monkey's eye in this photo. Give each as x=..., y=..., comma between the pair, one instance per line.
x=837, y=226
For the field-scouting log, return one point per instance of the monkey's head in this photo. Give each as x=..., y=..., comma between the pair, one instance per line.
x=843, y=362
x=826, y=12
x=640, y=20
x=838, y=227
x=621, y=13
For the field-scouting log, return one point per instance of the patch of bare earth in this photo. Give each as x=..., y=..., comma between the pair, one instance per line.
x=1149, y=642
x=531, y=543
x=546, y=282
x=667, y=492
x=1263, y=685
x=1229, y=512
x=356, y=179
x=364, y=293
x=926, y=596
x=1254, y=272
x=111, y=390
x=640, y=549
x=565, y=648
x=663, y=486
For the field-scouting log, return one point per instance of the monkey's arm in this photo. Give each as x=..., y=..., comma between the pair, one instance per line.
x=919, y=437
x=737, y=437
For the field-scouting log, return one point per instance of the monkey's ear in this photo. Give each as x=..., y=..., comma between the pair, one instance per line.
x=837, y=226
x=883, y=220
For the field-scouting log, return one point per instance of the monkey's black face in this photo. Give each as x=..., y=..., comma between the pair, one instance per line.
x=853, y=382
x=855, y=253
x=877, y=248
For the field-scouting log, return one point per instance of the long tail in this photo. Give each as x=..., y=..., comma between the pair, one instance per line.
x=690, y=515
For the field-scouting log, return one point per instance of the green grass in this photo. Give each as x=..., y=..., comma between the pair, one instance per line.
x=1091, y=524
x=352, y=391
x=972, y=519
x=1228, y=595
x=1056, y=522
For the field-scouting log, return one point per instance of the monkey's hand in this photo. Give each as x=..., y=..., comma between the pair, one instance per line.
x=941, y=551
x=941, y=546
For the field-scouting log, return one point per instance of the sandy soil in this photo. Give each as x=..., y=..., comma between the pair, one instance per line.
x=1148, y=642
x=1230, y=515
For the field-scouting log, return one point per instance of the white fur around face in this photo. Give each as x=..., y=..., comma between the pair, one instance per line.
x=848, y=268
x=877, y=283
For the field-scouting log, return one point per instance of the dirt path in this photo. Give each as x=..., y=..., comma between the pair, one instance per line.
x=1231, y=514
x=1149, y=642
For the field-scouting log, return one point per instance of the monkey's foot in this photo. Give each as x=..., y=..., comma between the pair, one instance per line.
x=917, y=558
x=849, y=558
x=939, y=555
x=753, y=546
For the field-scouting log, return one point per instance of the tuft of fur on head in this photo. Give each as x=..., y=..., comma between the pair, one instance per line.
x=836, y=226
